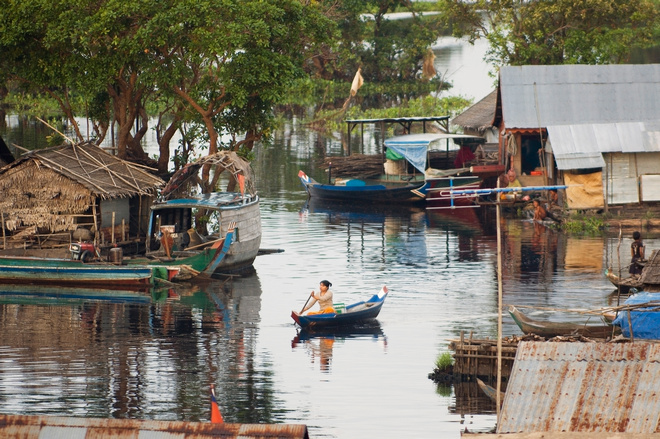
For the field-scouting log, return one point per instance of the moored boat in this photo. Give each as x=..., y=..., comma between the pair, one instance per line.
x=206, y=234
x=352, y=314
x=550, y=329
x=378, y=189
x=72, y=272
x=624, y=284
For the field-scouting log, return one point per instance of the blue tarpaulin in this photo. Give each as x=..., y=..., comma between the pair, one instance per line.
x=414, y=147
x=645, y=322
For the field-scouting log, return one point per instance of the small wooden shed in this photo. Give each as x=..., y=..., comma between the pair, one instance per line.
x=73, y=192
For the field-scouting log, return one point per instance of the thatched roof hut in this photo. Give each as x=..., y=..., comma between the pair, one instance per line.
x=59, y=189
x=480, y=117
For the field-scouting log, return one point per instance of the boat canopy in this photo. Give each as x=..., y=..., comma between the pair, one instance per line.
x=414, y=147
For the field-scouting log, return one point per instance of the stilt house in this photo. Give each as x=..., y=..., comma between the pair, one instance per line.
x=595, y=128
x=53, y=196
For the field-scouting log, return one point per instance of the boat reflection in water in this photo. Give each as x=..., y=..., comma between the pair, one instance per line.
x=50, y=295
x=320, y=343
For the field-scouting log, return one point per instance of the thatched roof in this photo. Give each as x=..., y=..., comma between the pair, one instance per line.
x=104, y=175
x=479, y=116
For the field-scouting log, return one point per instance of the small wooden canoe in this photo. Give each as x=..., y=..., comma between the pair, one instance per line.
x=553, y=329
x=355, y=313
x=626, y=283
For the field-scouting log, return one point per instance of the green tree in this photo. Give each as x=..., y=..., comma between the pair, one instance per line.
x=386, y=49
x=221, y=63
x=556, y=31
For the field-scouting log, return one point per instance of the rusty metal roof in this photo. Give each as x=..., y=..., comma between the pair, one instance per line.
x=583, y=387
x=28, y=427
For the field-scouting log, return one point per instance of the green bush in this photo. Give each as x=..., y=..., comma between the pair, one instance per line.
x=444, y=361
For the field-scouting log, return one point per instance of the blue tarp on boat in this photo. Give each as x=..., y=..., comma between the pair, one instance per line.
x=414, y=147
x=645, y=321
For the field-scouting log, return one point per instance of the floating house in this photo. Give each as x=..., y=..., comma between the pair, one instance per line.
x=53, y=196
x=595, y=128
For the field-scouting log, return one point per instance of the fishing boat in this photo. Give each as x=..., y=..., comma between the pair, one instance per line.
x=207, y=234
x=344, y=315
x=624, y=284
x=553, y=329
x=459, y=173
x=382, y=188
x=81, y=273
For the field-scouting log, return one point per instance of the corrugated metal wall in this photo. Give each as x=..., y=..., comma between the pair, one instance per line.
x=624, y=176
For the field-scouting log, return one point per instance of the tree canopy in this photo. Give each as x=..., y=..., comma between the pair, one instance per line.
x=220, y=63
x=556, y=31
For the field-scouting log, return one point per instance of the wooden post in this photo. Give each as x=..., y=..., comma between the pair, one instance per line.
x=123, y=229
x=96, y=224
x=499, y=307
x=4, y=237
x=112, y=234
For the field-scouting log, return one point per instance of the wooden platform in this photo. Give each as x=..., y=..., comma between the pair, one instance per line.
x=475, y=357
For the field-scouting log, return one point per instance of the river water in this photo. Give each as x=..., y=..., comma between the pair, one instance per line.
x=153, y=356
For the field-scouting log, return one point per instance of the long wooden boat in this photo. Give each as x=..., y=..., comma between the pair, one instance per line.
x=553, y=329
x=378, y=189
x=624, y=284
x=60, y=271
x=353, y=314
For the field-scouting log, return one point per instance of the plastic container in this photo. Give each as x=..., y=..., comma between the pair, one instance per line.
x=340, y=308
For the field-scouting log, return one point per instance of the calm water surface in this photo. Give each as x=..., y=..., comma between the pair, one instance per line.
x=154, y=356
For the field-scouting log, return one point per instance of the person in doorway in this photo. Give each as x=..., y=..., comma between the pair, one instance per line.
x=636, y=253
x=323, y=297
x=513, y=179
x=539, y=212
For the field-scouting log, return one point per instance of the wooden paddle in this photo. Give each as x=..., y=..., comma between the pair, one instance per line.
x=308, y=297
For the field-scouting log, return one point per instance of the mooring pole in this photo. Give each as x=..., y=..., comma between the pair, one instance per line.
x=499, y=306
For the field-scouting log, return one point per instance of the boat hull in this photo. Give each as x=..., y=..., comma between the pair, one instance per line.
x=355, y=313
x=624, y=284
x=43, y=271
x=555, y=329
x=366, y=191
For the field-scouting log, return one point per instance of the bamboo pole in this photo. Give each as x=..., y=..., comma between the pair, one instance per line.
x=499, y=308
x=113, y=228
x=4, y=236
x=123, y=229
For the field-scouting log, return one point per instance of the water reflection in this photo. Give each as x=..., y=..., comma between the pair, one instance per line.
x=319, y=343
x=134, y=355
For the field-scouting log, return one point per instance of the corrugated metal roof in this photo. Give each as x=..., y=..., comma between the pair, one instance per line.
x=583, y=387
x=28, y=427
x=581, y=146
x=538, y=96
